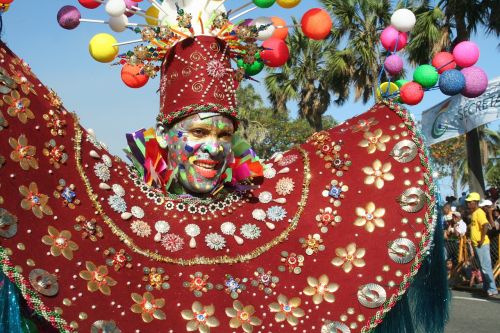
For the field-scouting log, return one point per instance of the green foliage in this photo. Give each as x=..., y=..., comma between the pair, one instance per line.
x=493, y=175
x=268, y=131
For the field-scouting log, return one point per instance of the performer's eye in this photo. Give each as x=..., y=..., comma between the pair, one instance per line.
x=199, y=132
x=225, y=135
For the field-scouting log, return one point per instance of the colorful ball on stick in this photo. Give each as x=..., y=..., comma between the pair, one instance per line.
x=102, y=47
x=403, y=20
x=252, y=69
x=451, y=82
x=130, y=11
x=426, y=75
x=393, y=64
x=90, y=4
x=69, y=17
x=268, y=31
x=411, y=93
x=386, y=89
x=133, y=76
x=466, y=54
x=391, y=37
x=115, y=7
x=281, y=33
x=118, y=23
x=288, y=3
x=275, y=53
x=316, y=24
x=264, y=3
x=443, y=61
x=401, y=82
x=476, y=82
x=152, y=15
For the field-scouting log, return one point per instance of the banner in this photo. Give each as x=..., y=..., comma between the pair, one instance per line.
x=458, y=115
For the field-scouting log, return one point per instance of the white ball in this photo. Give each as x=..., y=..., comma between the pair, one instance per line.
x=403, y=19
x=115, y=7
x=266, y=33
x=118, y=23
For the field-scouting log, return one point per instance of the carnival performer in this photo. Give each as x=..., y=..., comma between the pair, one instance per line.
x=197, y=233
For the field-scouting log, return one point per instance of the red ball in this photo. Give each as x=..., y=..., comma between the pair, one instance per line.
x=316, y=24
x=275, y=53
x=443, y=61
x=133, y=77
x=5, y=2
x=411, y=93
x=90, y=4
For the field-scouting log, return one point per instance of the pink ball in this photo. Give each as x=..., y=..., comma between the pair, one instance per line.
x=390, y=36
x=393, y=64
x=476, y=82
x=411, y=93
x=68, y=17
x=275, y=53
x=466, y=54
x=443, y=61
x=129, y=4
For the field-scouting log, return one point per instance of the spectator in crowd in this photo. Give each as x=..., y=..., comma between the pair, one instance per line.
x=457, y=227
x=488, y=208
x=481, y=242
x=461, y=200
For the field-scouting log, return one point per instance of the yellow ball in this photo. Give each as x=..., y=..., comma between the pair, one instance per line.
x=288, y=3
x=153, y=13
x=383, y=89
x=102, y=47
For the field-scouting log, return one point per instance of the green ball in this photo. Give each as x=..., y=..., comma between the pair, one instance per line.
x=401, y=82
x=251, y=69
x=254, y=68
x=264, y=3
x=426, y=75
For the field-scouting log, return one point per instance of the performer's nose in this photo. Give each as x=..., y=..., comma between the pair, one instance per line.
x=213, y=148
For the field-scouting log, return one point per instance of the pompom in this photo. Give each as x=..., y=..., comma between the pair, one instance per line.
x=466, y=54
x=403, y=19
x=476, y=82
x=443, y=61
x=393, y=64
x=411, y=93
x=451, y=82
x=426, y=75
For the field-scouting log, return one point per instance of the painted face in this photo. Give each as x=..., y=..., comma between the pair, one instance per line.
x=200, y=147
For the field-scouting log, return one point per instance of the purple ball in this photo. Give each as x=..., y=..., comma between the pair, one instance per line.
x=393, y=64
x=69, y=17
x=476, y=82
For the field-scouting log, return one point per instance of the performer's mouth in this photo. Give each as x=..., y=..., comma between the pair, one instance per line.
x=206, y=168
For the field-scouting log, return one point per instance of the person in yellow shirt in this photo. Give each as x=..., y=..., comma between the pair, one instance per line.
x=481, y=242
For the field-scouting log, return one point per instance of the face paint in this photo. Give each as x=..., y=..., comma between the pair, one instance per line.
x=200, y=145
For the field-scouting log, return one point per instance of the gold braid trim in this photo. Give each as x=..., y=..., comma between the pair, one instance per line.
x=199, y=260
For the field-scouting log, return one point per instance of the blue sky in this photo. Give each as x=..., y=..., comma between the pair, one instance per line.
x=95, y=92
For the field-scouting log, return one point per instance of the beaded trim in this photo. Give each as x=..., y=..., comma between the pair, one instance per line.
x=429, y=221
x=30, y=295
x=198, y=260
x=169, y=119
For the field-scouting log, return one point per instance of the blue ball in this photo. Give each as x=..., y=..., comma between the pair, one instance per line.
x=451, y=82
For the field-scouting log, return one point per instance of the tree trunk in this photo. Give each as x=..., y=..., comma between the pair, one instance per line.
x=476, y=178
x=454, y=180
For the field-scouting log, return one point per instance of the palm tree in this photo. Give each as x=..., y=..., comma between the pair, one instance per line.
x=451, y=22
x=316, y=72
x=359, y=23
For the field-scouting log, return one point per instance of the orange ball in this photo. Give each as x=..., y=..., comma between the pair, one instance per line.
x=132, y=76
x=316, y=24
x=281, y=33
